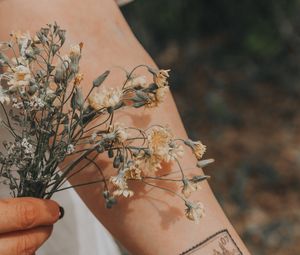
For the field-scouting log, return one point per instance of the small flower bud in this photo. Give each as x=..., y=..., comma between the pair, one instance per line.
x=205, y=162
x=97, y=82
x=54, y=49
x=110, y=153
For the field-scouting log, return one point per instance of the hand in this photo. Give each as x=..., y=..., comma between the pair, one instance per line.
x=25, y=224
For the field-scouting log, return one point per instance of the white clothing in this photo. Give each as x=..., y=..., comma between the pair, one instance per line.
x=78, y=232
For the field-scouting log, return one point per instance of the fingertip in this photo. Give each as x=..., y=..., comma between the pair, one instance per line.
x=53, y=209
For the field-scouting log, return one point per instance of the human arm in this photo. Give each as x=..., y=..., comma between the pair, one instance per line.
x=153, y=221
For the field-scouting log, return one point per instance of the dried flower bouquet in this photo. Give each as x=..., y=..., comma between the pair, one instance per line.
x=54, y=126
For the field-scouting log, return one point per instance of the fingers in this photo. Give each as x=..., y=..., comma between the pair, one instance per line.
x=24, y=242
x=25, y=213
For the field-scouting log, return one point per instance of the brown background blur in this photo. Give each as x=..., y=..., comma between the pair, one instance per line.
x=236, y=80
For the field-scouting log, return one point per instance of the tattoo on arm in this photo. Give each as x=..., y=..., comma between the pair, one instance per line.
x=220, y=243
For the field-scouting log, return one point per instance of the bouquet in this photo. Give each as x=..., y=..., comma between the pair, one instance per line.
x=57, y=131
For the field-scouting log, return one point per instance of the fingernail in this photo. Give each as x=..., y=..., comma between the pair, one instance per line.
x=61, y=212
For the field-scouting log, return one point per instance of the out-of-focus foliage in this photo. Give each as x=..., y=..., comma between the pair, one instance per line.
x=236, y=82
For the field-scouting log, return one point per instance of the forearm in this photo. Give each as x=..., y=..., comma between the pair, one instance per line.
x=153, y=221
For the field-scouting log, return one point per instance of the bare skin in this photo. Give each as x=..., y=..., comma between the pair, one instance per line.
x=25, y=224
x=153, y=222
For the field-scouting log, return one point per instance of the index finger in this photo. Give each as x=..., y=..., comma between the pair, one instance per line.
x=25, y=213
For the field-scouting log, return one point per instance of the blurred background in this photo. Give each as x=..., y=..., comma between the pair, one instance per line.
x=236, y=81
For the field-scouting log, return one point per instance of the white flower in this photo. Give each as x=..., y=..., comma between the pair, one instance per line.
x=11, y=148
x=75, y=54
x=23, y=41
x=133, y=170
x=65, y=61
x=137, y=81
x=189, y=187
x=70, y=149
x=78, y=79
x=105, y=98
x=28, y=149
x=197, y=147
x=160, y=78
x=159, y=140
x=61, y=68
x=158, y=97
x=18, y=105
x=119, y=181
x=176, y=151
x=36, y=102
x=93, y=137
x=119, y=132
x=123, y=192
x=148, y=162
x=194, y=211
x=162, y=146
x=4, y=98
x=20, y=77
x=161, y=93
x=75, y=50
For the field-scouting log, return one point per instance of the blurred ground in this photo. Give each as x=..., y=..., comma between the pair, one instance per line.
x=236, y=80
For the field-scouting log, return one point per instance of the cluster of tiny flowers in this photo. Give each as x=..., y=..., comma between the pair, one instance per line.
x=159, y=146
x=53, y=122
x=28, y=148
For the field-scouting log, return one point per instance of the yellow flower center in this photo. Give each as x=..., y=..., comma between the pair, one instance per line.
x=20, y=76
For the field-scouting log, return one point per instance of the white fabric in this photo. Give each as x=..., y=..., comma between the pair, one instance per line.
x=79, y=232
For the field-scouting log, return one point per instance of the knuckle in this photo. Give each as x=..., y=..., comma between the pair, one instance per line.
x=26, y=214
x=25, y=245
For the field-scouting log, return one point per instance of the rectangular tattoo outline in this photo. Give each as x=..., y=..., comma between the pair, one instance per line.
x=210, y=238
